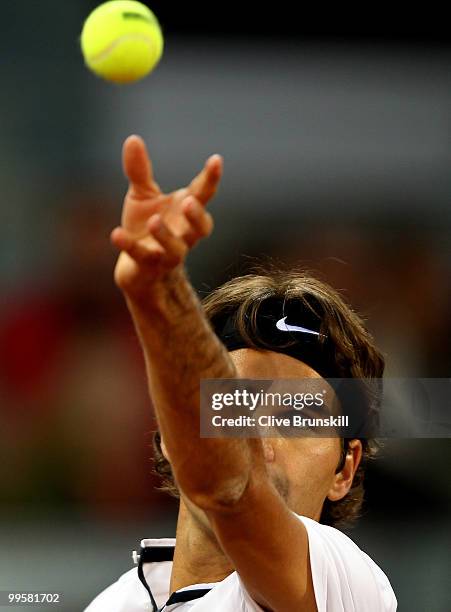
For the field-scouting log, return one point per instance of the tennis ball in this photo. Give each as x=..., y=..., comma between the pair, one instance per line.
x=122, y=41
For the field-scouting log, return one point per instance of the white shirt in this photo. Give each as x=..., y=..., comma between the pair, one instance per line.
x=345, y=579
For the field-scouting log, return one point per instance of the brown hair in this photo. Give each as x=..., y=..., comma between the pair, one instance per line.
x=353, y=352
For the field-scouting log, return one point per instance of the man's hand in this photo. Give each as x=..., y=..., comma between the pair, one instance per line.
x=158, y=229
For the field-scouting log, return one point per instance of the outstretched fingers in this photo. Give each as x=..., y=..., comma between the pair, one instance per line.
x=165, y=249
x=205, y=184
x=159, y=246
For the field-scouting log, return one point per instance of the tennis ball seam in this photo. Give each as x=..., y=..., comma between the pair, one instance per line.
x=98, y=57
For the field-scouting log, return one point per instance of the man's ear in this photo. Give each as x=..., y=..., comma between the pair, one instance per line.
x=164, y=450
x=343, y=480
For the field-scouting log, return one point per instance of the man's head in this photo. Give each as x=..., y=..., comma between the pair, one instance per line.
x=318, y=477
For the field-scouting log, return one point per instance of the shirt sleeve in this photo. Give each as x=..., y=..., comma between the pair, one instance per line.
x=345, y=579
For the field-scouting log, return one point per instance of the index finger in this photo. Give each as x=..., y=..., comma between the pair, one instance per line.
x=204, y=185
x=138, y=167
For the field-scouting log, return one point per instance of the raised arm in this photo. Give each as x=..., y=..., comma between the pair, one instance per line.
x=226, y=478
x=178, y=344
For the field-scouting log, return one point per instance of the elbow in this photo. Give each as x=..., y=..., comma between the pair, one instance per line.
x=222, y=497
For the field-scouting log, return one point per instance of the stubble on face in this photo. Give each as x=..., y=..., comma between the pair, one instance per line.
x=282, y=485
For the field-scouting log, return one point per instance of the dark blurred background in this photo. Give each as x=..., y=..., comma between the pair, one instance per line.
x=336, y=138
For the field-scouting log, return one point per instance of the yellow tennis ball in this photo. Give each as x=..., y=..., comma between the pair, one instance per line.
x=122, y=41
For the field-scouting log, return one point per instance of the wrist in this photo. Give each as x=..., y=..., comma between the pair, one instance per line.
x=165, y=299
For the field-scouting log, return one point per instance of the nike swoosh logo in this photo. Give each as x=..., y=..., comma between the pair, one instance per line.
x=296, y=328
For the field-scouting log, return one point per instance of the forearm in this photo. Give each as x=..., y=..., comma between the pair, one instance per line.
x=180, y=348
